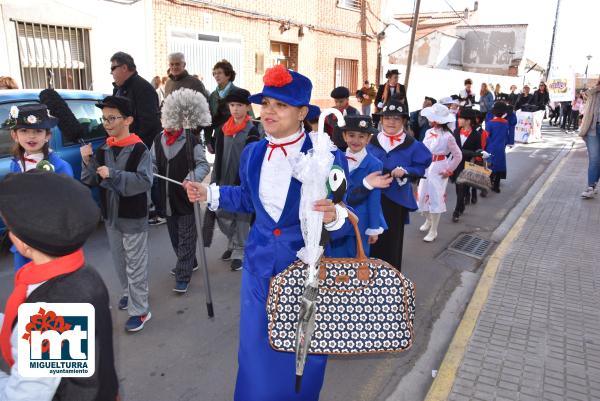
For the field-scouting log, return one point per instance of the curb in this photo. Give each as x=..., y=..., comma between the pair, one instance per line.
x=442, y=385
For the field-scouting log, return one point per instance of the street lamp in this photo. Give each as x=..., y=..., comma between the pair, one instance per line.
x=586, y=71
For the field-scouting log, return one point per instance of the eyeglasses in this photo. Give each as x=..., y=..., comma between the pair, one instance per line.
x=110, y=119
x=113, y=67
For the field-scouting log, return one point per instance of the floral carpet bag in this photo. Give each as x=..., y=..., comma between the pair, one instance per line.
x=475, y=176
x=364, y=305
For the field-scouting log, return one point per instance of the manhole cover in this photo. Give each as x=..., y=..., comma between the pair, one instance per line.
x=471, y=245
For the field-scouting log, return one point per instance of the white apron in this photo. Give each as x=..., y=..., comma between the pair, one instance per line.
x=432, y=190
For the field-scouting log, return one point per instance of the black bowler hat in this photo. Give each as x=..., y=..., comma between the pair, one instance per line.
x=360, y=124
x=393, y=108
x=432, y=100
x=503, y=97
x=238, y=96
x=341, y=92
x=120, y=103
x=50, y=212
x=391, y=72
x=500, y=108
x=34, y=116
x=468, y=113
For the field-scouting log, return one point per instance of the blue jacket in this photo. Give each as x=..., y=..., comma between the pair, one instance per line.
x=271, y=246
x=60, y=166
x=486, y=102
x=497, y=130
x=412, y=156
x=419, y=132
x=366, y=205
x=512, y=123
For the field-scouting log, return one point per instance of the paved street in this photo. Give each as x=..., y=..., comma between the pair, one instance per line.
x=182, y=355
x=538, y=335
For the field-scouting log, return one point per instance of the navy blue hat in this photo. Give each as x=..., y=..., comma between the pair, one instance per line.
x=288, y=86
x=238, y=96
x=341, y=92
x=500, y=108
x=393, y=108
x=313, y=113
x=34, y=116
x=120, y=103
x=360, y=124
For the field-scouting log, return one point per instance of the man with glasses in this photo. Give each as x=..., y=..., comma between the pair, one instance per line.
x=143, y=97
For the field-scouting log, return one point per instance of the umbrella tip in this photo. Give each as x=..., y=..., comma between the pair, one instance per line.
x=298, y=383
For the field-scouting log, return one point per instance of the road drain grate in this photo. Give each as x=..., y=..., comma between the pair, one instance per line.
x=471, y=245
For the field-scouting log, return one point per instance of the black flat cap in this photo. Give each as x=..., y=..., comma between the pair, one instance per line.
x=341, y=92
x=52, y=213
x=238, y=96
x=120, y=103
x=359, y=124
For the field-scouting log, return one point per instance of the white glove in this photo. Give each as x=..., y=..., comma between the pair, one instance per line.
x=485, y=154
x=380, y=105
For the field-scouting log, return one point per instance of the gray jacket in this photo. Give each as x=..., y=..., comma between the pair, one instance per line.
x=121, y=183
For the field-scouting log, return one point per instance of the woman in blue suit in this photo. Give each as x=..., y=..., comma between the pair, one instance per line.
x=268, y=189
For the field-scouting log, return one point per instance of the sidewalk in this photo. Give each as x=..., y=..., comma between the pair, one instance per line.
x=532, y=329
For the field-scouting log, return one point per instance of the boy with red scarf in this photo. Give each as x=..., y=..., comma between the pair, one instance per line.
x=236, y=133
x=122, y=170
x=172, y=157
x=341, y=97
x=49, y=217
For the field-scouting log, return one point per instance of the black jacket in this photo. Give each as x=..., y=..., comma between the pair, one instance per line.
x=471, y=145
x=85, y=286
x=523, y=100
x=400, y=95
x=541, y=99
x=146, y=112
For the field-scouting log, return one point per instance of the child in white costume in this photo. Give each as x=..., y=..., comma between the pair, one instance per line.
x=432, y=189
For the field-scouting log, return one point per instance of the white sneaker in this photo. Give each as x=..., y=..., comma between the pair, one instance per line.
x=431, y=236
x=589, y=193
x=426, y=226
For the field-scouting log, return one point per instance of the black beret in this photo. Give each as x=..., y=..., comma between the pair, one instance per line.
x=50, y=212
x=238, y=96
x=340, y=92
x=120, y=103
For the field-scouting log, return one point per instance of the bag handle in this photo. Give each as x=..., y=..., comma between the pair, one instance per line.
x=360, y=251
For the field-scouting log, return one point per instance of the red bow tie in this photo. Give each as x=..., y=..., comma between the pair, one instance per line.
x=394, y=138
x=31, y=161
x=282, y=146
x=465, y=133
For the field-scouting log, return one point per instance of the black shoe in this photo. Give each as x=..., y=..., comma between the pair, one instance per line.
x=157, y=221
x=474, y=198
x=236, y=265
x=226, y=255
x=123, y=302
x=174, y=270
x=467, y=200
x=484, y=193
x=455, y=216
x=496, y=189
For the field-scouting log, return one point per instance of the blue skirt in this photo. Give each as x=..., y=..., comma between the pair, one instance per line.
x=263, y=373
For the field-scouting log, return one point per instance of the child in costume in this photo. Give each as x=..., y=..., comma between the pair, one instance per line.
x=471, y=142
x=432, y=189
x=268, y=189
x=498, y=133
x=171, y=157
x=405, y=158
x=30, y=126
x=362, y=197
x=511, y=118
x=341, y=97
x=122, y=169
x=52, y=237
x=237, y=132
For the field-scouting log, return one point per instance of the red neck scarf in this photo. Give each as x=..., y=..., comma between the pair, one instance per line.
x=171, y=136
x=351, y=158
x=230, y=128
x=130, y=140
x=28, y=275
x=499, y=119
x=282, y=146
x=394, y=138
x=465, y=133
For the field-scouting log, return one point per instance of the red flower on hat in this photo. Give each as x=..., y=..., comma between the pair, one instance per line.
x=277, y=76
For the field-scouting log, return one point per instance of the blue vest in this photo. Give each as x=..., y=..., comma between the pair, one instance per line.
x=412, y=156
x=496, y=144
x=271, y=246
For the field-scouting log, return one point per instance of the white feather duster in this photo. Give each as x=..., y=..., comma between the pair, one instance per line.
x=185, y=108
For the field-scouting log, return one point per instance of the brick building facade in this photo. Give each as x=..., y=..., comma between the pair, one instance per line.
x=331, y=41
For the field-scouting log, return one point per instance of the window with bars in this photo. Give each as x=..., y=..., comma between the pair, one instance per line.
x=54, y=56
x=350, y=4
x=346, y=74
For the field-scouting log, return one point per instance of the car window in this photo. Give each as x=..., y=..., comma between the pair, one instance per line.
x=6, y=142
x=90, y=117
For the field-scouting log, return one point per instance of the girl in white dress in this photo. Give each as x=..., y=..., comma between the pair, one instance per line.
x=446, y=156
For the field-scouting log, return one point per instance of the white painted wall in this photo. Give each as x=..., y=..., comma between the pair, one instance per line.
x=113, y=27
